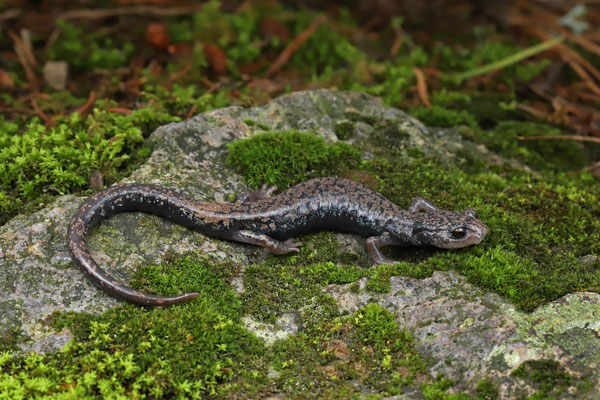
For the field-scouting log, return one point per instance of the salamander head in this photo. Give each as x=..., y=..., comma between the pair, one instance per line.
x=448, y=229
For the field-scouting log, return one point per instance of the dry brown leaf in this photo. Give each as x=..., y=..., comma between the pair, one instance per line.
x=271, y=28
x=217, y=59
x=6, y=81
x=157, y=35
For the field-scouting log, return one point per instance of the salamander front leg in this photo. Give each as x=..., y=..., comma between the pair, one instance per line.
x=273, y=245
x=420, y=204
x=375, y=242
x=262, y=193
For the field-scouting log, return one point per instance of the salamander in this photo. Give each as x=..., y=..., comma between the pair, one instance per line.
x=274, y=221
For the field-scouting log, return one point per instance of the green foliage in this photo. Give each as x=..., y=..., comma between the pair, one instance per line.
x=394, y=77
x=177, y=98
x=286, y=158
x=325, y=51
x=200, y=348
x=237, y=34
x=184, y=351
x=87, y=52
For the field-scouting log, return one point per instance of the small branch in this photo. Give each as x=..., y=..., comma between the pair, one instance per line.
x=515, y=58
x=562, y=137
x=26, y=58
x=191, y=113
x=87, y=104
x=119, y=110
x=39, y=111
x=285, y=55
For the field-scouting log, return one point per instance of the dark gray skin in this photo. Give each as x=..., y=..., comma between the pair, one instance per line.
x=273, y=222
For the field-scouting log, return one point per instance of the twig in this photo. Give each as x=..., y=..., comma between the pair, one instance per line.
x=585, y=43
x=26, y=57
x=87, y=104
x=562, y=137
x=294, y=46
x=179, y=74
x=422, y=87
x=535, y=112
x=39, y=111
x=574, y=59
x=190, y=113
x=211, y=86
x=119, y=110
x=141, y=9
x=521, y=55
x=579, y=70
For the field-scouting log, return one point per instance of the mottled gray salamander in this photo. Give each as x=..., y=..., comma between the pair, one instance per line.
x=272, y=222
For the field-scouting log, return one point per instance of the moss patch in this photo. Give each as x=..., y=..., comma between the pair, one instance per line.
x=348, y=356
x=344, y=130
x=547, y=377
x=286, y=158
x=282, y=284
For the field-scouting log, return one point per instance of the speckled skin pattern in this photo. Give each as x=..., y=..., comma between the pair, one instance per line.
x=272, y=222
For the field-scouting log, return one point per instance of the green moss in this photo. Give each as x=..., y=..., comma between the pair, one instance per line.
x=289, y=157
x=344, y=130
x=437, y=390
x=487, y=390
x=557, y=155
x=547, y=376
x=338, y=352
x=355, y=116
x=86, y=52
x=282, y=284
x=198, y=348
x=326, y=50
x=42, y=162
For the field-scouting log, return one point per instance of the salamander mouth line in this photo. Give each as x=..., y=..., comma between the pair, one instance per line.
x=273, y=222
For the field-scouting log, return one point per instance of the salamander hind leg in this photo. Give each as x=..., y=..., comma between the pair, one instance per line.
x=273, y=245
x=375, y=242
x=263, y=193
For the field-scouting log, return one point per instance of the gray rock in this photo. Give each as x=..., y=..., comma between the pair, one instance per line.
x=471, y=334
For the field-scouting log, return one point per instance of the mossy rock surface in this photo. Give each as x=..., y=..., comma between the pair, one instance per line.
x=462, y=330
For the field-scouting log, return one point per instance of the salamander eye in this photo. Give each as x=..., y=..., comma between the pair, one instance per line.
x=459, y=233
